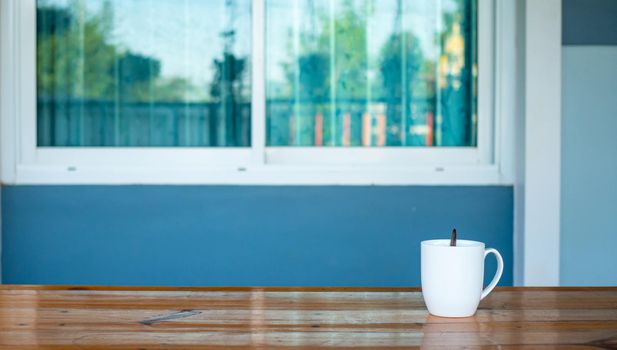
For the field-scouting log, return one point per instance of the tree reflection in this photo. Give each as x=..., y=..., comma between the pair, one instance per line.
x=95, y=91
x=345, y=73
x=352, y=79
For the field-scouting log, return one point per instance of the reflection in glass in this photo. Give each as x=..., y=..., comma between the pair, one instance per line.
x=143, y=72
x=371, y=73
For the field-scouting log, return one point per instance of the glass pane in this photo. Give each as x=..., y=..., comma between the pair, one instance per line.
x=371, y=73
x=144, y=73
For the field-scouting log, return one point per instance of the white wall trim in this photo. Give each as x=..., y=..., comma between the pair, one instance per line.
x=24, y=163
x=542, y=142
x=519, y=147
x=8, y=159
x=505, y=88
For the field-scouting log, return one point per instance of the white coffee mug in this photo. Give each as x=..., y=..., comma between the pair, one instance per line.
x=452, y=277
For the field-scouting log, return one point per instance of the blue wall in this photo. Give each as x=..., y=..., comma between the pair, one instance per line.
x=589, y=22
x=589, y=166
x=226, y=235
x=589, y=143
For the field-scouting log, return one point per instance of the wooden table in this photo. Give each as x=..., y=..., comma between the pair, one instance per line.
x=37, y=317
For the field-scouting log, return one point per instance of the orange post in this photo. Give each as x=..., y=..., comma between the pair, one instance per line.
x=319, y=129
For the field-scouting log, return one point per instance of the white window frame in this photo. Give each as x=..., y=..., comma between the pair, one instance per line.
x=24, y=163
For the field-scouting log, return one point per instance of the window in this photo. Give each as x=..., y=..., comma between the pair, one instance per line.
x=143, y=73
x=252, y=91
x=371, y=73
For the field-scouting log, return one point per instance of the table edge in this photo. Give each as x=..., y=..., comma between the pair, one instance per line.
x=271, y=288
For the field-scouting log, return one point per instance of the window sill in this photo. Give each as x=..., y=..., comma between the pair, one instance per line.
x=259, y=175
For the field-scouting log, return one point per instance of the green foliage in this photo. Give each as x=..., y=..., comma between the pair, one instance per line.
x=73, y=58
x=77, y=59
x=401, y=51
x=350, y=53
x=228, y=72
x=310, y=72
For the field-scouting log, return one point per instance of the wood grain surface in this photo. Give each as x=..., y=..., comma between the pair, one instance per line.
x=65, y=317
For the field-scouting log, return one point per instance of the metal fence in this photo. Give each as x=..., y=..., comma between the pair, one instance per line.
x=107, y=123
x=97, y=123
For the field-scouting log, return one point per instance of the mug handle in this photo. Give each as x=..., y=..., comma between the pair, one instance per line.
x=493, y=283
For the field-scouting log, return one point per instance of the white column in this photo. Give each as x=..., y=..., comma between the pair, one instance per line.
x=542, y=142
